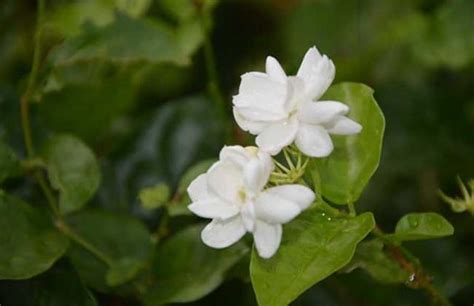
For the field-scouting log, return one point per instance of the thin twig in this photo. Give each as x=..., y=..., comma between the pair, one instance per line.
x=68, y=231
x=408, y=262
x=28, y=140
x=352, y=211
x=212, y=74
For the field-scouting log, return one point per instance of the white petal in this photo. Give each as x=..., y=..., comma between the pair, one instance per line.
x=296, y=94
x=267, y=238
x=225, y=179
x=274, y=70
x=260, y=113
x=248, y=217
x=313, y=140
x=267, y=162
x=213, y=208
x=299, y=194
x=317, y=71
x=252, y=126
x=274, y=209
x=234, y=154
x=197, y=190
x=223, y=233
x=254, y=175
x=321, y=111
x=343, y=126
x=259, y=91
x=277, y=136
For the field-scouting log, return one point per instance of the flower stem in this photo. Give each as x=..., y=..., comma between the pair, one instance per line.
x=163, y=228
x=29, y=147
x=25, y=98
x=25, y=109
x=408, y=262
x=68, y=231
x=212, y=75
x=352, y=211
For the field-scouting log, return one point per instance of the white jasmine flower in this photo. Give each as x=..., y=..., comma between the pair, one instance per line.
x=232, y=194
x=282, y=110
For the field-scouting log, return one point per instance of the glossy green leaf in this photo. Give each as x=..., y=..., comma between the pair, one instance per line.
x=29, y=242
x=73, y=171
x=171, y=140
x=68, y=18
x=123, y=271
x=125, y=40
x=120, y=237
x=154, y=197
x=313, y=247
x=9, y=163
x=371, y=257
x=187, y=270
x=342, y=176
x=419, y=226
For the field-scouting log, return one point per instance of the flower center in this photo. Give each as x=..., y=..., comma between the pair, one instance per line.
x=242, y=195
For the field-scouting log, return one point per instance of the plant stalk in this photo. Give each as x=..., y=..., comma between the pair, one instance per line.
x=407, y=261
x=29, y=147
x=213, y=77
x=68, y=231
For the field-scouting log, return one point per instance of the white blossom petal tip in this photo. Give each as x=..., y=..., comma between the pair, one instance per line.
x=274, y=69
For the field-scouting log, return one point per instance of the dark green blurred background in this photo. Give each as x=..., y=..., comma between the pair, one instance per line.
x=150, y=121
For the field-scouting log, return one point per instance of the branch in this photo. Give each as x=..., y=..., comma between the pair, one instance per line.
x=419, y=279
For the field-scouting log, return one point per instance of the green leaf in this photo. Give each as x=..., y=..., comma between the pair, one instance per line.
x=30, y=244
x=192, y=173
x=419, y=226
x=62, y=286
x=154, y=197
x=68, y=18
x=448, y=40
x=313, y=247
x=123, y=271
x=187, y=270
x=371, y=257
x=125, y=40
x=120, y=237
x=59, y=286
x=180, y=207
x=72, y=170
x=83, y=101
x=342, y=176
x=9, y=163
x=192, y=26
x=171, y=139
x=184, y=10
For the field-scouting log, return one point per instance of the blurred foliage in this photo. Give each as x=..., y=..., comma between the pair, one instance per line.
x=128, y=78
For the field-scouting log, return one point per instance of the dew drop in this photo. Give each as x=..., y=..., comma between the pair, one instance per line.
x=410, y=282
